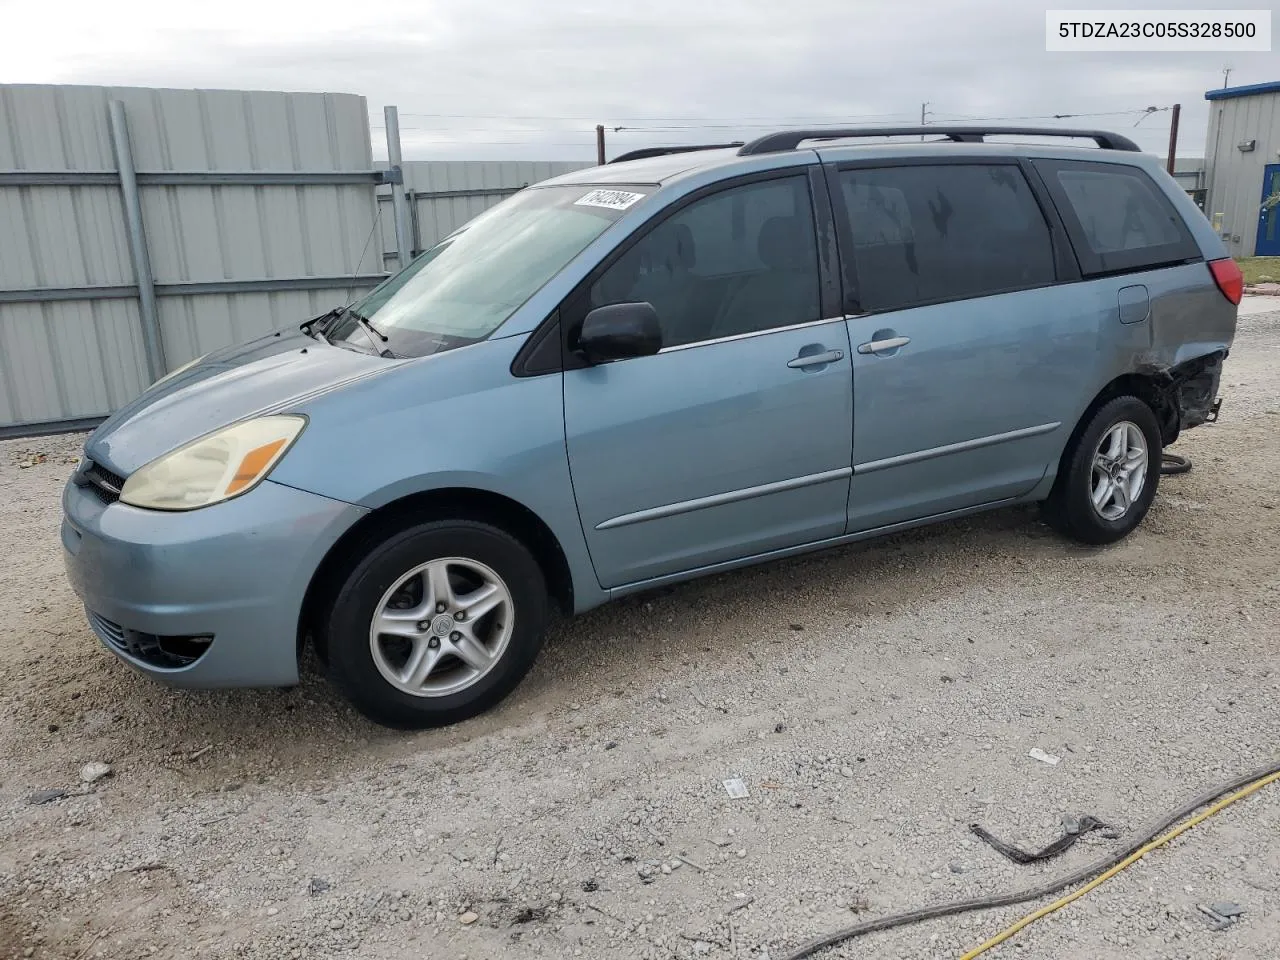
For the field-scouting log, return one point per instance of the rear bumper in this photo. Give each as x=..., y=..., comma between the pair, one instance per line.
x=1197, y=386
x=236, y=572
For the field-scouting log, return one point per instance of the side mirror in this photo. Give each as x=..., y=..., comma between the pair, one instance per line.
x=620, y=331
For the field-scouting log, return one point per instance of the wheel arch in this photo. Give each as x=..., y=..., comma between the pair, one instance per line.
x=1153, y=388
x=465, y=503
x=1150, y=388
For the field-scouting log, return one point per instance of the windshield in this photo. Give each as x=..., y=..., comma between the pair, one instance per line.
x=462, y=289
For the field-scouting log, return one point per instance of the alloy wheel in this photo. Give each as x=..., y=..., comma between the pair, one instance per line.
x=441, y=627
x=1119, y=470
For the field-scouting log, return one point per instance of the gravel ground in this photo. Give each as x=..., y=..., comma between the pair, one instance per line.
x=875, y=699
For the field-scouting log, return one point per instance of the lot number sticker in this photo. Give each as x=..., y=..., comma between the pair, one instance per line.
x=611, y=199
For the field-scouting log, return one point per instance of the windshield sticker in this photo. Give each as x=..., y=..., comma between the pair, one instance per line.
x=611, y=199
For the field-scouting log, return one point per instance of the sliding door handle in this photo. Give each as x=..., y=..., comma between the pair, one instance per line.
x=875, y=346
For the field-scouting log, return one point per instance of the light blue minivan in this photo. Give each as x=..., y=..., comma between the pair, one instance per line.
x=645, y=372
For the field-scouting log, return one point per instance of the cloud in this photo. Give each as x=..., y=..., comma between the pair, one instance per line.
x=524, y=79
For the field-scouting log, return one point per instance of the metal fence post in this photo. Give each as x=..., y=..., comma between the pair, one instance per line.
x=152, y=341
x=399, y=208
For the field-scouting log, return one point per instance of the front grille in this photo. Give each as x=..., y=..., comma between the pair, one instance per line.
x=158, y=651
x=105, y=484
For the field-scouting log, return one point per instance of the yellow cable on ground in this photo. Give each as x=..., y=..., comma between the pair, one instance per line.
x=1133, y=858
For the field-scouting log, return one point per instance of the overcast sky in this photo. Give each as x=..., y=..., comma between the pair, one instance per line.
x=531, y=78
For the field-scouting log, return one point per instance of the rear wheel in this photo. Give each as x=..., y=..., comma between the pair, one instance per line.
x=437, y=623
x=1109, y=475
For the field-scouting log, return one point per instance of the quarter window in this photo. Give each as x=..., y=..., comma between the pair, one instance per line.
x=740, y=261
x=1117, y=217
x=925, y=234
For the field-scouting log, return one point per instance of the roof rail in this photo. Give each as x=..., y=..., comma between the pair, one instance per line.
x=790, y=139
x=644, y=152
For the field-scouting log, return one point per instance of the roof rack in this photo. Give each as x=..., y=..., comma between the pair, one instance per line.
x=790, y=139
x=644, y=152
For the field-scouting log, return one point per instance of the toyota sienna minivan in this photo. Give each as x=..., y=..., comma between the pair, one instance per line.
x=645, y=372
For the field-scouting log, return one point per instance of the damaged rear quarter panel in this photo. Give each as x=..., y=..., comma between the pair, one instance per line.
x=1183, y=342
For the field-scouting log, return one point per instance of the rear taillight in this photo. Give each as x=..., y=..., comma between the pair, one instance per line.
x=1227, y=275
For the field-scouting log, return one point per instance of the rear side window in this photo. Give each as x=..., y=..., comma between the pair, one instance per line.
x=925, y=234
x=1118, y=219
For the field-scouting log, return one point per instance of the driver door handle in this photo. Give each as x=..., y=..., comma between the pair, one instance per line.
x=875, y=346
x=813, y=359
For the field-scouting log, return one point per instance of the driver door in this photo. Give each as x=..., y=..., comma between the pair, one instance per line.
x=736, y=438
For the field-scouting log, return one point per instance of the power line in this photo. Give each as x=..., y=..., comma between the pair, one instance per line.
x=709, y=122
x=654, y=129
x=501, y=143
x=675, y=119
x=1052, y=116
x=771, y=124
x=456, y=136
x=485, y=129
x=746, y=126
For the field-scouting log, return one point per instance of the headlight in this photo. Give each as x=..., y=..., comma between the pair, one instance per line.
x=173, y=373
x=215, y=467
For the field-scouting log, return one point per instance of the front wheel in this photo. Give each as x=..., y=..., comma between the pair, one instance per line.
x=1109, y=475
x=437, y=623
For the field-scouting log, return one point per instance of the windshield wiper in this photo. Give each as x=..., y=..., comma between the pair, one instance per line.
x=315, y=327
x=368, y=327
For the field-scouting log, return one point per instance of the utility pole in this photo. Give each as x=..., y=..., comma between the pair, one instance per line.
x=1173, y=136
x=600, y=144
x=924, y=109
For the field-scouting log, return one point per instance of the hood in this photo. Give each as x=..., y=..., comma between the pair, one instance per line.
x=272, y=374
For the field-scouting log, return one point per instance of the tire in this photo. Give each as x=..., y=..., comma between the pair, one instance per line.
x=472, y=663
x=1085, y=470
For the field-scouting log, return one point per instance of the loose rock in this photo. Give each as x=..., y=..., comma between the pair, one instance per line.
x=93, y=772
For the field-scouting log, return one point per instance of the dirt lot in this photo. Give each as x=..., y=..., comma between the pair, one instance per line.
x=876, y=700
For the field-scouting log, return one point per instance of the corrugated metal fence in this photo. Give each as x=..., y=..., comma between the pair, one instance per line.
x=445, y=194
x=257, y=208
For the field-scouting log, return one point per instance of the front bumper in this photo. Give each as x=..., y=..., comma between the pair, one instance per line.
x=235, y=572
